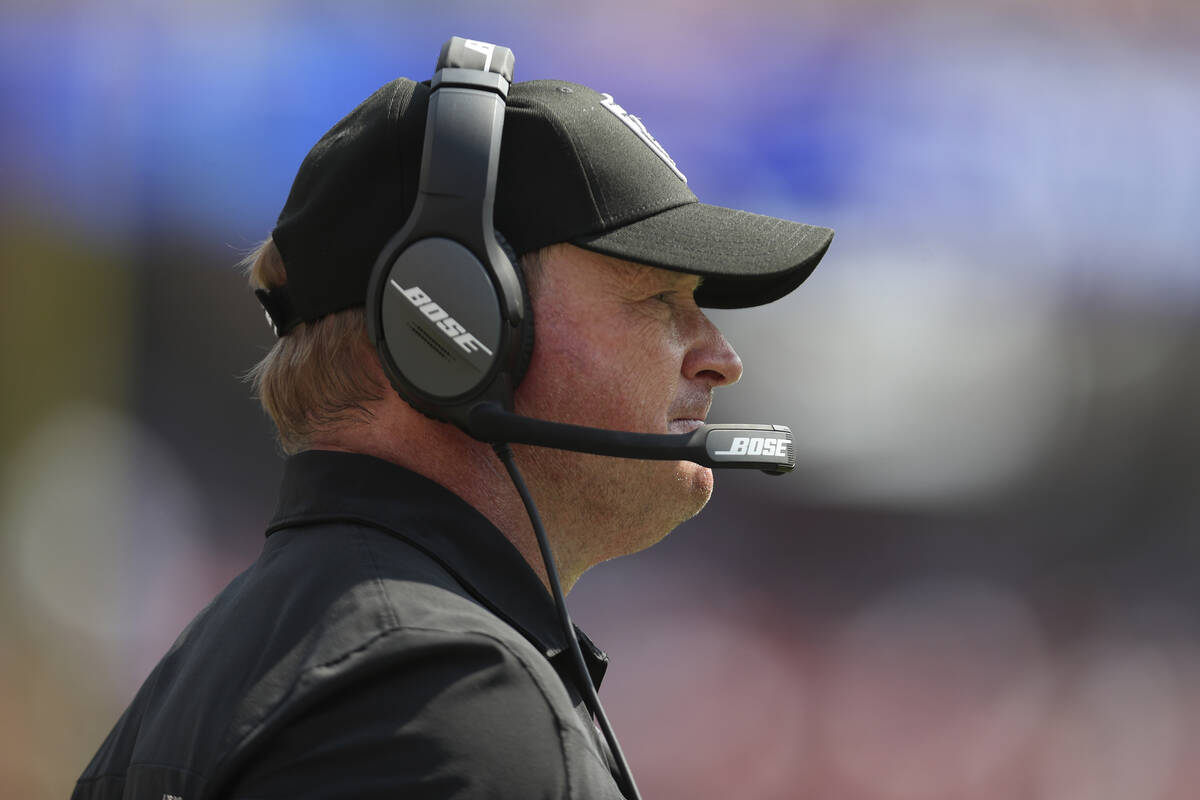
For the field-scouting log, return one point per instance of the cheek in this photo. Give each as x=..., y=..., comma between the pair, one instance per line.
x=612, y=376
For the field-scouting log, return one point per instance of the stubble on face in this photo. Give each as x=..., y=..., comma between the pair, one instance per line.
x=611, y=342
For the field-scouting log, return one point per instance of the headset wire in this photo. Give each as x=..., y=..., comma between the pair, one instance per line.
x=590, y=698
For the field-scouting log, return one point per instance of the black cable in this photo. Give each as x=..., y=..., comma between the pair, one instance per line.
x=590, y=698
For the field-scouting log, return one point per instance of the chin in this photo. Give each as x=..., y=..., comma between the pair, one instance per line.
x=698, y=481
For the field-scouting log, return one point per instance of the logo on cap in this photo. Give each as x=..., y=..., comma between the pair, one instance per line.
x=634, y=124
x=485, y=49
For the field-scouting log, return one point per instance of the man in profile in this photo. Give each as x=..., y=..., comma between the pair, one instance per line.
x=397, y=637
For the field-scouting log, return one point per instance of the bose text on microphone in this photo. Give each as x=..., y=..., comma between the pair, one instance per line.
x=764, y=447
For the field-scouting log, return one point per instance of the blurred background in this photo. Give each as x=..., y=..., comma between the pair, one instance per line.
x=981, y=580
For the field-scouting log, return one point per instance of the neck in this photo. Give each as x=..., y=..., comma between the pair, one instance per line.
x=468, y=468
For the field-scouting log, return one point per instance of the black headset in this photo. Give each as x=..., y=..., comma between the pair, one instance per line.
x=447, y=307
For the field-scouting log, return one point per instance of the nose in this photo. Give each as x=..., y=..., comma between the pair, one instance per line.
x=711, y=358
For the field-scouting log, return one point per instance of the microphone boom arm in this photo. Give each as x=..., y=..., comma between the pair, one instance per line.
x=765, y=447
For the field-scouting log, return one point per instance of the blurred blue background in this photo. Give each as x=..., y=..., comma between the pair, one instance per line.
x=980, y=582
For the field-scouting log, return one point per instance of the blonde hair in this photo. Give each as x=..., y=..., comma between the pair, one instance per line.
x=319, y=377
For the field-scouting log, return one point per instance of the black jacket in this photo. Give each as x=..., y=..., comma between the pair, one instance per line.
x=389, y=642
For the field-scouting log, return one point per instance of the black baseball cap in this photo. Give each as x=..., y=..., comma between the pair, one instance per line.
x=574, y=167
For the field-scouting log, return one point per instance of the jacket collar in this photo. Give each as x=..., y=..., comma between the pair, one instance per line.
x=322, y=486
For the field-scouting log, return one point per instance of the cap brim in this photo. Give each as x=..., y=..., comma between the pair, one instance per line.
x=746, y=259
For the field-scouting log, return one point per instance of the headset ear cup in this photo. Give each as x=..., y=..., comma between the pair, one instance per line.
x=525, y=348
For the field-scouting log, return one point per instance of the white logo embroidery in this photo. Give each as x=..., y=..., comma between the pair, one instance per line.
x=485, y=49
x=634, y=124
x=446, y=323
x=753, y=446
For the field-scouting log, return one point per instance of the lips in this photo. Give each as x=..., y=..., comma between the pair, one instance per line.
x=690, y=413
x=688, y=419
